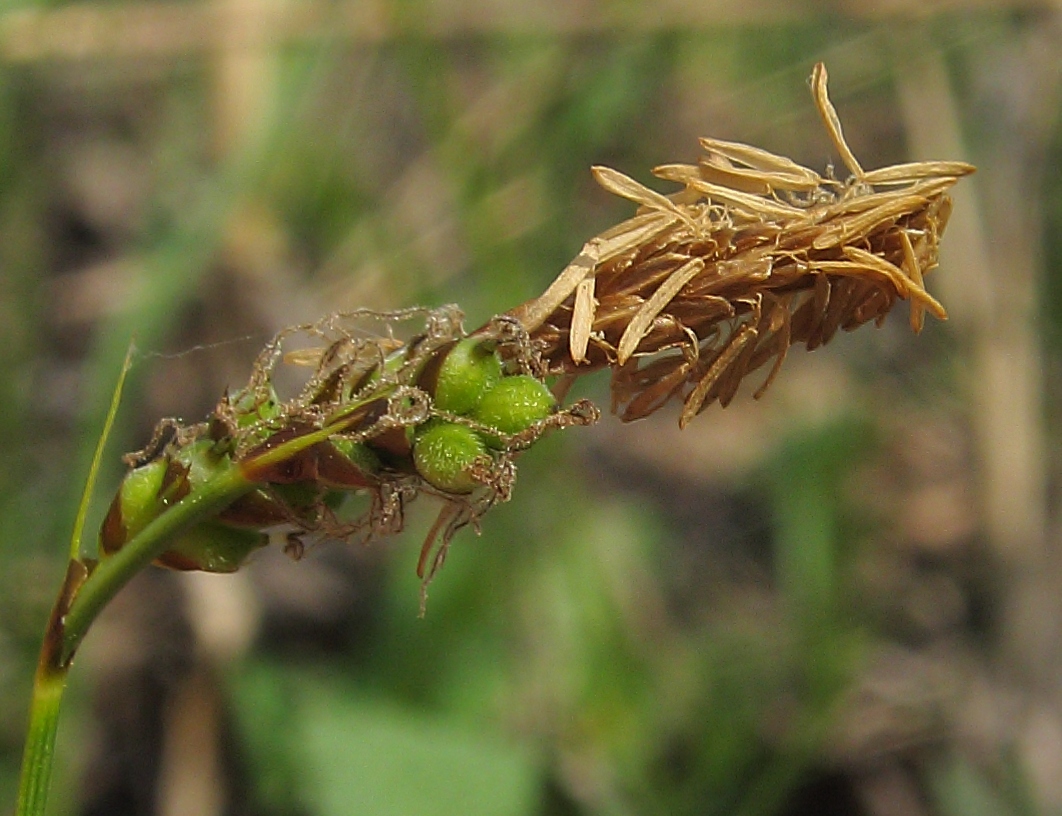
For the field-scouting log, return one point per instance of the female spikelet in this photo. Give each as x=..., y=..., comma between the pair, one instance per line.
x=754, y=254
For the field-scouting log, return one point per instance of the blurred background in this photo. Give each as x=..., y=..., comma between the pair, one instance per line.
x=843, y=599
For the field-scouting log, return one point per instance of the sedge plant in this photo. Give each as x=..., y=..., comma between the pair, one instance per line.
x=697, y=290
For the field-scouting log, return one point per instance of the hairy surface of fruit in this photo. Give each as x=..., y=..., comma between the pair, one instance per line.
x=444, y=454
x=469, y=371
x=514, y=405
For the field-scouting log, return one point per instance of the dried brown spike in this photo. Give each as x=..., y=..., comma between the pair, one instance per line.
x=754, y=254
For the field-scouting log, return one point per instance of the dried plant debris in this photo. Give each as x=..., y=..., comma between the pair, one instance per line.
x=756, y=253
x=377, y=417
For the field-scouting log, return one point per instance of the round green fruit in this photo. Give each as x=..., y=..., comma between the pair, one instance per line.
x=136, y=504
x=469, y=371
x=444, y=453
x=255, y=413
x=514, y=405
x=139, y=495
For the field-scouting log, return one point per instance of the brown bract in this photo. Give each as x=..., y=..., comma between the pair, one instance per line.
x=756, y=253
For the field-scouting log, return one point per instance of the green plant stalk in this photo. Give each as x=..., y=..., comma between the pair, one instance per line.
x=38, y=755
x=97, y=456
x=115, y=571
x=86, y=592
x=81, y=600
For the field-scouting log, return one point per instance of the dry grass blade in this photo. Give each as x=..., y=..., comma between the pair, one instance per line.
x=910, y=266
x=759, y=159
x=747, y=204
x=696, y=400
x=754, y=166
x=629, y=235
x=754, y=254
x=906, y=173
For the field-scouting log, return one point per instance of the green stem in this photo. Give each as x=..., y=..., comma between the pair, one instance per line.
x=116, y=570
x=81, y=600
x=38, y=755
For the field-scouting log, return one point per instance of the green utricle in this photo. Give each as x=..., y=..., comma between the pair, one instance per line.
x=444, y=453
x=137, y=503
x=470, y=370
x=514, y=405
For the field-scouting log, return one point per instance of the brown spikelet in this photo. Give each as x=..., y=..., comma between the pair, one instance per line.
x=755, y=254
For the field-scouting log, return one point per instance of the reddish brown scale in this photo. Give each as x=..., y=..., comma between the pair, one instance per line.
x=337, y=471
x=113, y=533
x=257, y=510
x=395, y=449
x=429, y=374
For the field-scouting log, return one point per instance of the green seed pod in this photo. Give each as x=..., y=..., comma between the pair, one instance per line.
x=250, y=407
x=254, y=413
x=202, y=460
x=469, y=370
x=136, y=503
x=514, y=405
x=212, y=547
x=444, y=453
